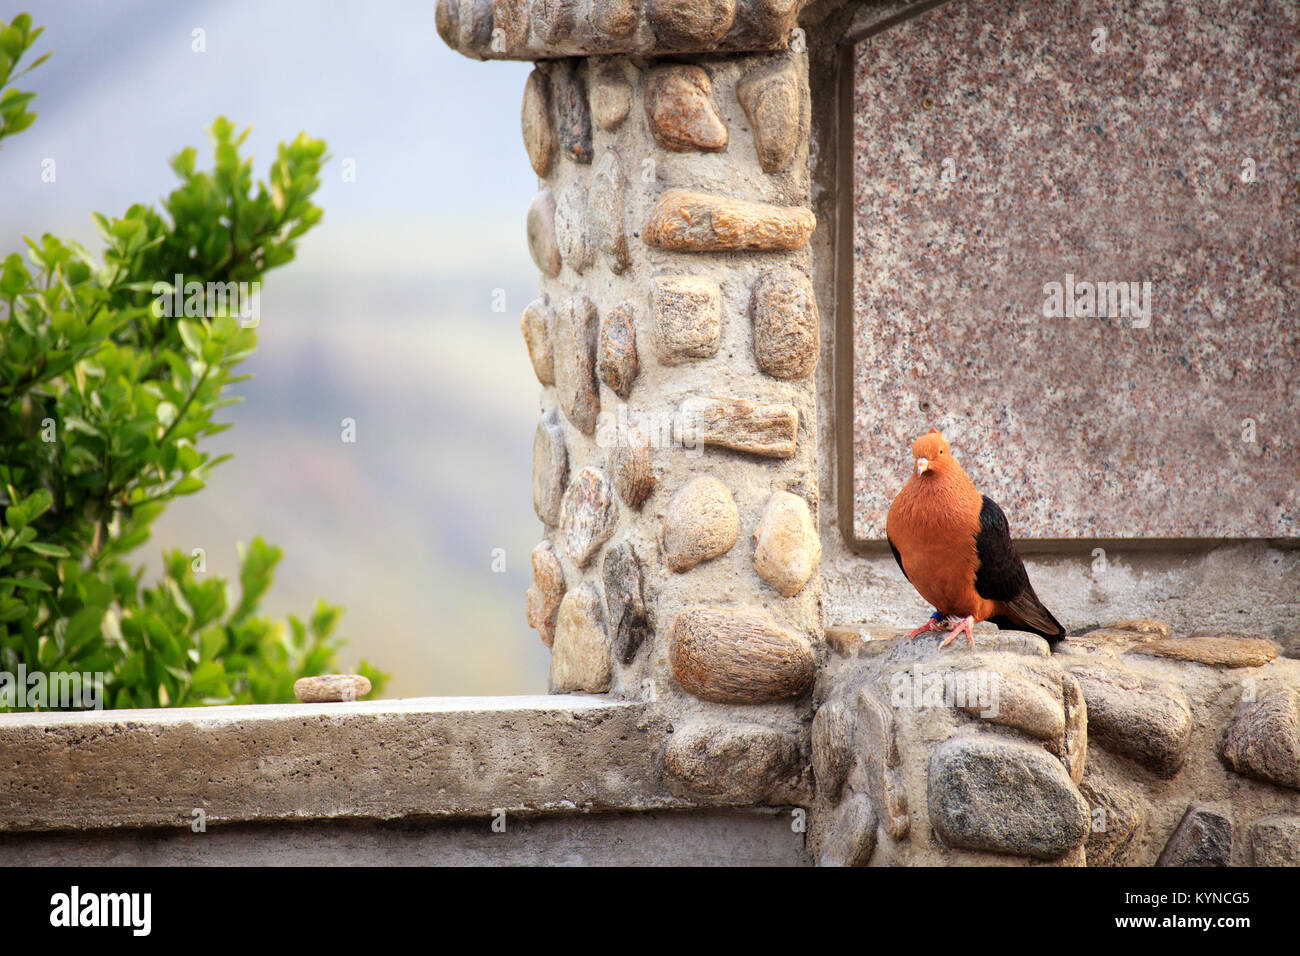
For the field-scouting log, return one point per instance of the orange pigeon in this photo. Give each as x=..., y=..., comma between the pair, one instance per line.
x=954, y=545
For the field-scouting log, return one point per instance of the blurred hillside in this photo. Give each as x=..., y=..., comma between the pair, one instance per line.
x=386, y=318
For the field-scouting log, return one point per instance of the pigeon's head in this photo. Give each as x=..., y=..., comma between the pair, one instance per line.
x=932, y=454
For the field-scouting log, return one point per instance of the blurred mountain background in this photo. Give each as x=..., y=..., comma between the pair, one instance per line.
x=386, y=317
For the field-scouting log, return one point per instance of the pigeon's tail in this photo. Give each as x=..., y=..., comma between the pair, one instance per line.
x=1026, y=613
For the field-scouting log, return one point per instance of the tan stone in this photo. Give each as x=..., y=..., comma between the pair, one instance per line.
x=328, y=688
x=738, y=656
x=1025, y=702
x=538, y=327
x=787, y=328
x=535, y=119
x=686, y=313
x=580, y=654
x=701, y=523
x=611, y=94
x=1213, y=651
x=786, y=545
x=550, y=468
x=572, y=231
x=619, y=364
x=1263, y=740
x=769, y=430
x=733, y=762
x=770, y=98
x=542, y=602
x=679, y=106
x=540, y=225
x=576, y=384
x=684, y=221
x=614, y=18
x=589, y=515
x=629, y=463
x=605, y=212
x=690, y=23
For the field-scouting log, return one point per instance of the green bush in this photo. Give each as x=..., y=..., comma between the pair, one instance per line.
x=104, y=404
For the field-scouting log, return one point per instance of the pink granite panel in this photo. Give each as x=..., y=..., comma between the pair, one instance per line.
x=1001, y=147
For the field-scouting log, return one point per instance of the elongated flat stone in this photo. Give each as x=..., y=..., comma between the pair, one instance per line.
x=576, y=385
x=538, y=326
x=683, y=221
x=605, y=215
x=1211, y=651
x=763, y=429
x=326, y=688
x=550, y=468
x=625, y=600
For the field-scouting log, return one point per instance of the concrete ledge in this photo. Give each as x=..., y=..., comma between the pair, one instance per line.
x=655, y=838
x=375, y=760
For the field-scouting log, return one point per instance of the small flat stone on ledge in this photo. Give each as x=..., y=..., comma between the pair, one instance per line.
x=1212, y=651
x=331, y=688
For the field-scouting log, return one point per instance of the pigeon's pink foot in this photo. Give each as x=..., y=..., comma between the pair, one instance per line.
x=965, y=625
x=935, y=623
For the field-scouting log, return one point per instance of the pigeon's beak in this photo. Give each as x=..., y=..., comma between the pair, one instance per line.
x=922, y=464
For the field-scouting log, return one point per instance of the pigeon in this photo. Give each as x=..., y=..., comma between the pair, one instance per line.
x=953, y=544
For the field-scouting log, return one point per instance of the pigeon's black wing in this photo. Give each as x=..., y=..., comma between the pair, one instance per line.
x=1001, y=577
x=897, y=557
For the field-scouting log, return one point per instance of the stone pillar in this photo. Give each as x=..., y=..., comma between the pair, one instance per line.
x=675, y=340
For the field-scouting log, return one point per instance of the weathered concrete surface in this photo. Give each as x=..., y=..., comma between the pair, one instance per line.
x=437, y=757
x=661, y=838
